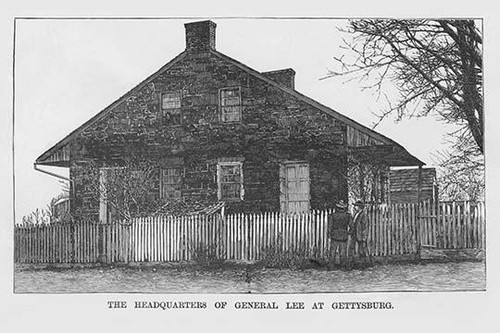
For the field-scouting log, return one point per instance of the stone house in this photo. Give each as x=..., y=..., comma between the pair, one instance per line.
x=215, y=130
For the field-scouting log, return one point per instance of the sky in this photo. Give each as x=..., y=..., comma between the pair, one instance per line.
x=66, y=71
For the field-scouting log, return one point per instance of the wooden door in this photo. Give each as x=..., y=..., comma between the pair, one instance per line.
x=294, y=187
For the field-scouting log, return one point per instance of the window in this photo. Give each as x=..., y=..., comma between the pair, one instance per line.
x=230, y=181
x=171, y=182
x=230, y=104
x=171, y=108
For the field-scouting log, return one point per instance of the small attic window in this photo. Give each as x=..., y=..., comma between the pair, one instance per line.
x=171, y=108
x=230, y=104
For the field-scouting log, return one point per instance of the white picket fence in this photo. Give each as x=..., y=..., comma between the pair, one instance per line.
x=235, y=237
x=394, y=230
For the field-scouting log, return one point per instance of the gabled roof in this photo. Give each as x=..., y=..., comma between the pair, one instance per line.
x=108, y=109
x=346, y=120
x=412, y=160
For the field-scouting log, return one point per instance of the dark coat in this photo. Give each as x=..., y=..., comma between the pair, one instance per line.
x=338, y=224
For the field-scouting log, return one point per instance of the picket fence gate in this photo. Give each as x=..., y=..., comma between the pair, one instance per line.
x=394, y=230
x=453, y=225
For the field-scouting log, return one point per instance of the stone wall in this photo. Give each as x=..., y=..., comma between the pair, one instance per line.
x=275, y=127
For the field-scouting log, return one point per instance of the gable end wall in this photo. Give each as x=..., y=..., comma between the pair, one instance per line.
x=275, y=127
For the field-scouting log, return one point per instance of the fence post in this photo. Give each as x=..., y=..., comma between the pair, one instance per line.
x=418, y=229
x=125, y=242
x=100, y=243
x=72, y=241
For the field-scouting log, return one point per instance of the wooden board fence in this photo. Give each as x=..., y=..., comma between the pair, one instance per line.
x=56, y=243
x=394, y=230
x=453, y=225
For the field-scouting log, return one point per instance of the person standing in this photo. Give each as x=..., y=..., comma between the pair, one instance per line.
x=359, y=234
x=338, y=224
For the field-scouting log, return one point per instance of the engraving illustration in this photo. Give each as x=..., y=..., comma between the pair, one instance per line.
x=210, y=176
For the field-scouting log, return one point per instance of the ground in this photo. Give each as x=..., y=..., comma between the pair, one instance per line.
x=452, y=276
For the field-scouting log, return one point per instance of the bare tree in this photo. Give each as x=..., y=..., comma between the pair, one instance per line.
x=37, y=217
x=461, y=172
x=366, y=181
x=128, y=189
x=435, y=66
x=44, y=215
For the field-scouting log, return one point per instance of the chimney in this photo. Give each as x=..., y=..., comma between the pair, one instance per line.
x=200, y=36
x=284, y=77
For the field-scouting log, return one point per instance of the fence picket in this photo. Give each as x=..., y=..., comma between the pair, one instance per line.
x=434, y=223
x=233, y=240
x=393, y=229
x=390, y=231
x=378, y=228
x=444, y=223
x=185, y=226
x=251, y=236
x=398, y=238
x=234, y=235
x=480, y=226
x=399, y=229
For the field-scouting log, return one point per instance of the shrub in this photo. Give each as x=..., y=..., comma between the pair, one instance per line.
x=277, y=257
x=206, y=255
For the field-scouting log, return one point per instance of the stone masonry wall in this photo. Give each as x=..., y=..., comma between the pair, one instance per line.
x=275, y=127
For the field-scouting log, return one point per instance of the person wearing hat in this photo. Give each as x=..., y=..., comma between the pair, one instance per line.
x=338, y=224
x=359, y=233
